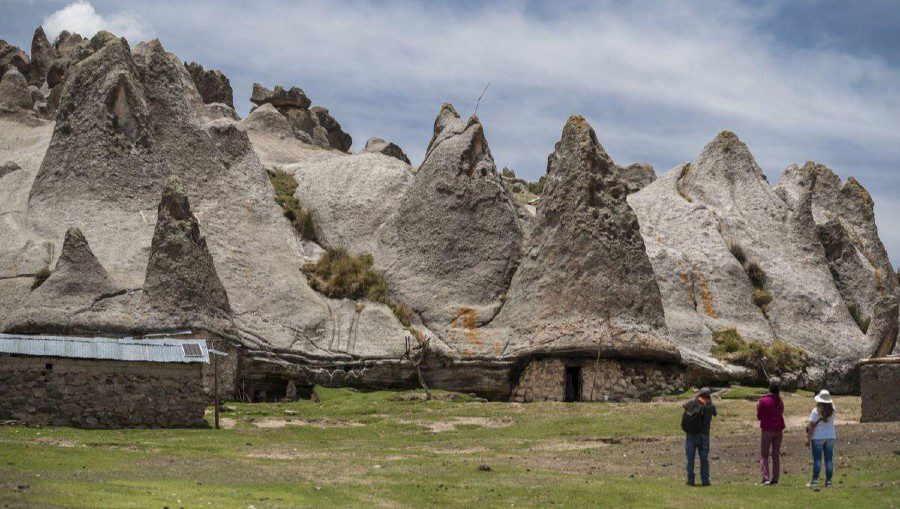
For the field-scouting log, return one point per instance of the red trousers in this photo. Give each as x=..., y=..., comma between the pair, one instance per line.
x=770, y=440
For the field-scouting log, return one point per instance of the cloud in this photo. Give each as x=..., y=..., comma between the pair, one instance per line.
x=81, y=17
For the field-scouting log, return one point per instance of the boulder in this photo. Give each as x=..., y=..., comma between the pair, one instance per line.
x=279, y=97
x=455, y=239
x=585, y=282
x=56, y=72
x=269, y=120
x=181, y=276
x=306, y=126
x=213, y=86
x=385, y=147
x=337, y=138
x=43, y=54
x=11, y=56
x=14, y=91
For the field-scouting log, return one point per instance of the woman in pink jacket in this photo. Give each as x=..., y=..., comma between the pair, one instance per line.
x=770, y=413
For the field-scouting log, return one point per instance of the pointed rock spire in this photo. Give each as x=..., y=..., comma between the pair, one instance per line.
x=77, y=271
x=42, y=56
x=586, y=272
x=455, y=239
x=445, y=117
x=181, y=276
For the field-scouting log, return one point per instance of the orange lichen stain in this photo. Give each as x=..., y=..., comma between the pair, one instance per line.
x=467, y=319
x=686, y=279
x=706, y=296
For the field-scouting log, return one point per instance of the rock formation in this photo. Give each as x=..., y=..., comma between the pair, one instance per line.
x=11, y=56
x=213, y=86
x=14, y=92
x=181, y=276
x=455, y=239
x=585, y=282
x=337, y=138
x=614, y=267
x=844, y=219
x=387, y=148
x=43, y=54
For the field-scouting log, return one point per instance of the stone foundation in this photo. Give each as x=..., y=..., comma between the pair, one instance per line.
x=879, y=380
x=603, y=380
x=90, y=393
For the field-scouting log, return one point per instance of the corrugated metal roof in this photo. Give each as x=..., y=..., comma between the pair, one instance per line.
x=120, y=349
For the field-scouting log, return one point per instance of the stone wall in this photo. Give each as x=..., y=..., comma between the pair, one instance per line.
x=879, y=380
x=227, y=367
x=603, y=380
x=89, y=393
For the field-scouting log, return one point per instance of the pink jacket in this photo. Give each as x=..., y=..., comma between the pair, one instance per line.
x=770, y=413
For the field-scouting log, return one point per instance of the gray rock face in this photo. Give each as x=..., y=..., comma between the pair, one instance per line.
x=585, y=282
x=181, y=276
x=67, y=44
x=351, y=197
x=843, y=216
x=385, y=147
x=42, y=56
x=279, y=97
x=337, y=138
x=14, y=92
x=306, y=126
x=689, y=219
x=455, y=239
x=11, y=56
x=56, y=72
x=74, y=286
x=637, y=176
x=213, y=86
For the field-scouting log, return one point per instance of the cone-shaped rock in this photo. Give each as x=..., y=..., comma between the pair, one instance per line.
x=845, y=222
x=42, y=56
x=181, y=276
x=585, y=281
x=455, y=239
x=76, y=283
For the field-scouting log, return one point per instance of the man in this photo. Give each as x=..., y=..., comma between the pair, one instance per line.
x=695, y=422
x=770, y=413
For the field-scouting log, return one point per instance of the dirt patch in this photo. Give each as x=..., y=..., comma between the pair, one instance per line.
x=57, y=442
x=442, y=426
x=283, y=455
x=318, y=423
x=226, y=422
x=471, y=450
x=443, y=396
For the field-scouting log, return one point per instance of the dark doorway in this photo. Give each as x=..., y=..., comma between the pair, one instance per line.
x=573, y=383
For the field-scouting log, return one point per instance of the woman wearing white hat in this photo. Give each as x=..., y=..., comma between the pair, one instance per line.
x=820, y=434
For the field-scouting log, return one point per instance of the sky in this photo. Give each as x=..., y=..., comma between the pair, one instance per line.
x=797, y=81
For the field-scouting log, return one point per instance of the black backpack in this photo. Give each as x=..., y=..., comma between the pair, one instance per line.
x=692, y=418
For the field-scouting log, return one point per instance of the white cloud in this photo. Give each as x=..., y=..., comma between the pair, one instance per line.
x=81, y=17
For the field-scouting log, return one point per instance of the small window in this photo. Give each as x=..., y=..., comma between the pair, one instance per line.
x=191, y=350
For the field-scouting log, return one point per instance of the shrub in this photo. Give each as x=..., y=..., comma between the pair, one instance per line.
x=756, y=274
x=517, y=188
x=861, y=322
x=508, y=173
x=738, y=252
x=285, y=184
x=340, y=275
x=537, y=187
x=761, y=297
x=779, y=357
x=40, y=277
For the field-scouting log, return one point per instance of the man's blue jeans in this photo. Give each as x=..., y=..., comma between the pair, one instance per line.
x=694, y=443
x=820, y=447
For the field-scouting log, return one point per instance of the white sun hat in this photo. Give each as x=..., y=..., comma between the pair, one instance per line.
x=823, y=397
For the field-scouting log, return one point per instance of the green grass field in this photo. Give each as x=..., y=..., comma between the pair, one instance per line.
x=388, y=449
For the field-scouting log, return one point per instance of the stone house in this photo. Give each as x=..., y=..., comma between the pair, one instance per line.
x=102, y=382
x=879, y=379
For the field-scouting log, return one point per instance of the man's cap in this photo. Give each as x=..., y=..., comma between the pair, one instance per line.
x=705, y=392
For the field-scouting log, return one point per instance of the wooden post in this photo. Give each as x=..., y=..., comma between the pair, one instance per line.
x=216, y=387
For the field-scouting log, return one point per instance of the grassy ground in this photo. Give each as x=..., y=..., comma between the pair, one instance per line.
x=389, y=449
